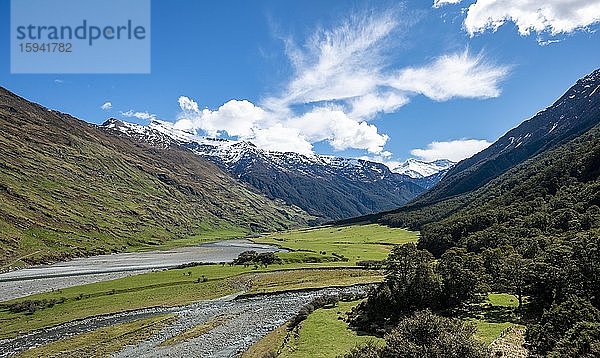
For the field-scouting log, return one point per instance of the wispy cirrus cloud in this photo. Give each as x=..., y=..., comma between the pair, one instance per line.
x=106, y=106
x=457, y=75
x=454, y=150
x=343, y=77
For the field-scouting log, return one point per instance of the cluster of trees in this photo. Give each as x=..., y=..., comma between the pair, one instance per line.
x=533, y=232
x=247, y=258
x=562, y=288
x=415, y=281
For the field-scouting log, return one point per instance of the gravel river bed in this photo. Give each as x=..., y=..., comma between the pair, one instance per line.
x=79, y=271
x=248, y=320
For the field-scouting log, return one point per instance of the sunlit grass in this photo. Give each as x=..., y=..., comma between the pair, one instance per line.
x=356, y=242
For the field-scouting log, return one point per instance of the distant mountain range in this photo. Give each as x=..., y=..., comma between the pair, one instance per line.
x=327, y=187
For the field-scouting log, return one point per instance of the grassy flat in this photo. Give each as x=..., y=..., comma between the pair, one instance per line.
x=102, y=342
x=184, y=286
x=355, y=242
x=302, y=279
x=325, y=334
x=495, y=314
x=502, y=300
x=170, y=288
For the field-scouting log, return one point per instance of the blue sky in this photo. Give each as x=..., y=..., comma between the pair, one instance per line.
x=352, y=78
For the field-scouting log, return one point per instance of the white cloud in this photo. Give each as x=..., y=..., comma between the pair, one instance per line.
x=553, y=16
x=343, y=77
x=187, y=105
x=440, y=3
x=235, y=118
x=139, y=115
x=372, y=103
x=340, y=63
x=282, y=138
x=450, y=76
x=267, y=130
x=341, y=131
x=106, y=106
x=455, y=150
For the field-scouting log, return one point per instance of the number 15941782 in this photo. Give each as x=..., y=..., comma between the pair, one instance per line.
x=46, y=47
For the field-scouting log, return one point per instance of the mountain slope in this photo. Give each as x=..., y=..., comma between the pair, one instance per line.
x=574, y=113
x=68, y=188
x=325, y=186
x=556, y=193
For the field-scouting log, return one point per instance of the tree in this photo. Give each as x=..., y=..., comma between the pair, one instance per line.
x=246, y=258
x=463, y=276
x=508, y=271
x=410, y=284
x=581, y=341
x=412, y=279
x=267, y=258
x=426, y=335
x=554, y=323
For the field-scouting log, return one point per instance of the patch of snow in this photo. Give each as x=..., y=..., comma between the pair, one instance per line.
x=417, y=169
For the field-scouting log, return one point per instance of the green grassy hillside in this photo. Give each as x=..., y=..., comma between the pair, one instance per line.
x=69, y=189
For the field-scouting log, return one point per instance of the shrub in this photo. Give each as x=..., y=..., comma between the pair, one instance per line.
x=309, y=308
x=370, y=264
x=31, y=306
x=554, y=323
x=370, y=349
x=426, y=335
x=583, y=340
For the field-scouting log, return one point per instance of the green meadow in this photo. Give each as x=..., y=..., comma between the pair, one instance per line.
x=187, y=285
x=354, y=242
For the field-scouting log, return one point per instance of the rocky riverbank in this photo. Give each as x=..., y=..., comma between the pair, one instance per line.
x=246, y=320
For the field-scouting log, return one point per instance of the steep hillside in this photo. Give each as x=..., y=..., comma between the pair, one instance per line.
x=574, y=113
x=68, y=188
x=325, y=186
x=556, y=194
x=533, y=232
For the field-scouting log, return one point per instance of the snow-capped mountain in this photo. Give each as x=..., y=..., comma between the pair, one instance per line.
x=325, y=186
x=417, y=169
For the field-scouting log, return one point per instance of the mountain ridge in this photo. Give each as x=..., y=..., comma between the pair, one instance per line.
x=575, y=112
x=418, y=169
x=325, y=186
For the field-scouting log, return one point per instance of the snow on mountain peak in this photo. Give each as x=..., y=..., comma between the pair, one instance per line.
x=231, y=152
x=416, y=169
